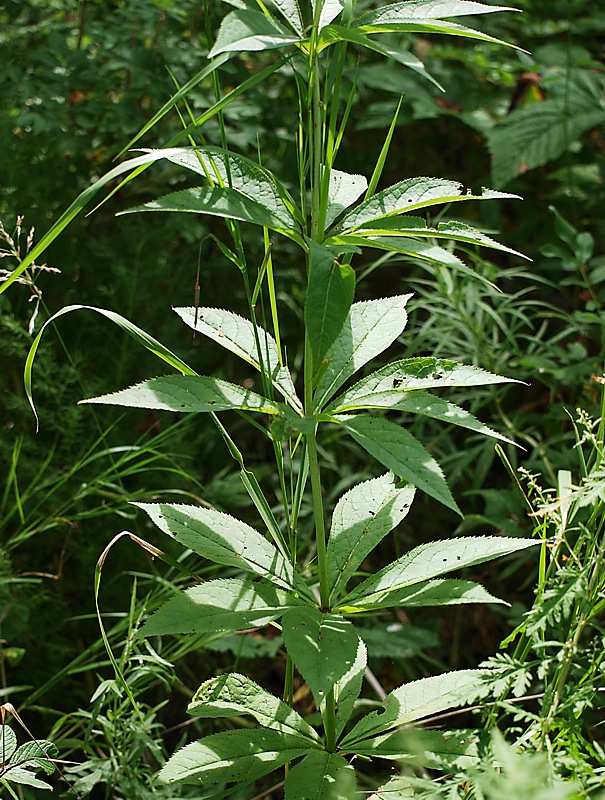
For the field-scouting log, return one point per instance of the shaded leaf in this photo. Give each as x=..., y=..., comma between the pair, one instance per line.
x=347, y=688
x=445, y=750
x=321, y=776
x=424, y=593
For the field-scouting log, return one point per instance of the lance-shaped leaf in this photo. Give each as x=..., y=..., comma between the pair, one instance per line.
x=371, y=326
x=321, y=776
x=247, y=31
x=419, y=699
x=290, y=10
x=433, y=749
x=322, y=646
x=188, y=394
x=424, y=372
x=419, y=402
x=347, y=689
x=238, y=335
x=234, y=695
x=338, y=33
x=227, y=169
x=221, y=202
x=406, y=196
x=330, y=9
x=362, y=518
x=330, y=291
x=432, y=559
x=424, y=593
x=344, y=189
x=225, y=540
x=399, y=451
x=240, y=755
x=226, y=604
x=423, y=16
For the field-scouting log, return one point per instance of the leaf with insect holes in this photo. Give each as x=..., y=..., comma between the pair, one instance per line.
x=235, y=755
x=249, y=342
x=396, y=449
x=426, y=16
x=424, y=593
x=227, y=169
x=431, y=560
x=425, y=372
x=321, y=776
x=419, y=402
x=225, y=604
x=322, y=646
x=347, y=688
x=188, y=394
x=330, y=291
x=233, y=695
x=225, y=540
x=362, y=518
x=377, y=212
x=418, y=699
x=370, y=327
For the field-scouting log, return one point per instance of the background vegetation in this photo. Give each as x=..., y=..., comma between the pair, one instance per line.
x=77, y=80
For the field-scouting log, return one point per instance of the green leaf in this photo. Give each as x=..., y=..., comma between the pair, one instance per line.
x=330, y=291
x=248, y=31
x=239, y=755
x=8, y=742
x=233, y=695
x=185, y=394
x=424, y=593
x=535, y=134
x=446, y=750
x=224, y=540
x=423, y=16
x=362, y=518
x=419, y=699
x=332, y=34
x=347, y=688
x=401, y=198
x=237, y=335
x=220, y=202
x=35, y=755
x=397, y=450
x=433, y=559
x=322, y=646
x=418, y=402
x=226, y=169
x=344, y=189
x=226, y=604
x=330, y=9
x=290, y=10
x=321, y=776
x=425, y=372
x=371, y=326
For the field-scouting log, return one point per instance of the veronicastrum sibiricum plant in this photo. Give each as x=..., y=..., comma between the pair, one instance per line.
x=332, y=217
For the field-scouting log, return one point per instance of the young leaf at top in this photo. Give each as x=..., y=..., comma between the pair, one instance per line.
x=247, y=31
x=322, y=646
x=185, y=394
x=237, y=755
x=362, y=518
x=238, y=335
x=225, y=604
x=397, y=450
x=433, y=559
x=225, y=540
x=418, y=699
x=371, y=326
x=321, y=776
x=330, y=291
x=234, y=695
